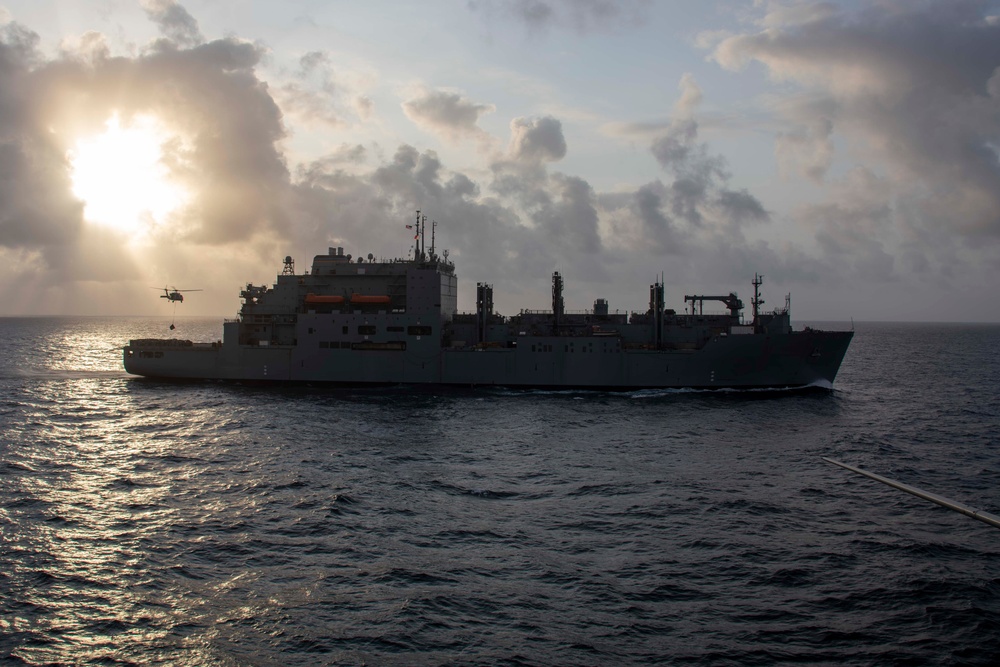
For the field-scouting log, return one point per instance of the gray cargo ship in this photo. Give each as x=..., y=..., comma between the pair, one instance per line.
x=366, y=321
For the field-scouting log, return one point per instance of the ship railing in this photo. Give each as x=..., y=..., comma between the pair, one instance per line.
x=528, y=311
x=709, y=312
x=159, y=342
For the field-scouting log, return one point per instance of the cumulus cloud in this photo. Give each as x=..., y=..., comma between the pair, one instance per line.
x=367, y=210
x=446, y=114
x=513, y=223
x=315, y=95
x=223, y=124
x=175, y=23
x=699, y=190
x=640, y=220
x=909, y=87
x=922, y=137
x=537, y=139
x=571, y=216
x=36, y=206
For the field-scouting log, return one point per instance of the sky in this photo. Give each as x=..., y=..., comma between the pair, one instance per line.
x=847, y=151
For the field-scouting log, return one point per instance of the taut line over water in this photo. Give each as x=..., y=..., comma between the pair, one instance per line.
x=985, y=517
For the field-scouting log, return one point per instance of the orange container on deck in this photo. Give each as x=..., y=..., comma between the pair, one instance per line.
x=323, y=298
x=369, y=298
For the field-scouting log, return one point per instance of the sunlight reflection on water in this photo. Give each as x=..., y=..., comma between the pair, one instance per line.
x=88, y=464
x=196, y=524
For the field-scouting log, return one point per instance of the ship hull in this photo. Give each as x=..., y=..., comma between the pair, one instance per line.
x=757, y=361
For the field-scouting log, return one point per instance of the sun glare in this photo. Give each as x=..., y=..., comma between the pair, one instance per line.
x=120, y=177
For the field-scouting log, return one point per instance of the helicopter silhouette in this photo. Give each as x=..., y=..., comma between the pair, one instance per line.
x=173, y=294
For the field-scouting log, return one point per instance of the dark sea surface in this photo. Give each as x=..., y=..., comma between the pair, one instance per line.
x=204, y=524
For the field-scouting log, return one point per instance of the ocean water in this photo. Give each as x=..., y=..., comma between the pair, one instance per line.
x=150, y=523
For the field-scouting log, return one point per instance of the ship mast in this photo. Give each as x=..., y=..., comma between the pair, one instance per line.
x=416, y=246
x=423, y=232
x=420, y=248
x=557, y=301
x=656, y=307
x=758, y=280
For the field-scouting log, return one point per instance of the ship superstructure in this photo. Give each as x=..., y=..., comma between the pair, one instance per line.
x=376, y=321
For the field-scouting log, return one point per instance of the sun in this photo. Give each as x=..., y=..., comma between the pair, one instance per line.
x=121, y=178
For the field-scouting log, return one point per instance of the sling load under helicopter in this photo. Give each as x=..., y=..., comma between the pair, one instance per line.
x=174, y=296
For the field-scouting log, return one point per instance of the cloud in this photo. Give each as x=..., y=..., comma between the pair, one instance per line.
x=907, y=95
x=579, y=15
x=698, y=193
x=212, y=96
x=571, y=217
x=484, y=235
x=314, y=61
x=363, y=106
x=91, y=47
x=853, y=225
x=690, y=98
x=909, y=86
x=640, y=220
x=674, y=148
x=537, y=139
x=175, y=23
x=513, y=222
x=740, y=207
x=316, y=96
x=446, y=114
x=224, y=129
x=780, y=15
x=807, y=147
x=680, y=127
x=36, y=206
x=508, y=214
